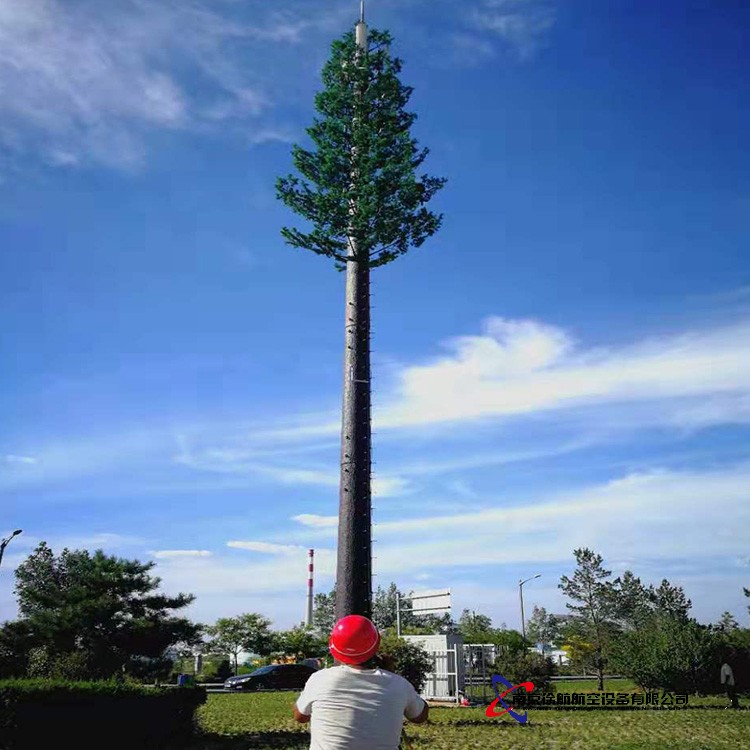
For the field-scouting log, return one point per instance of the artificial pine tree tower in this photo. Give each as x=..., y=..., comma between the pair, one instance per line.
x=365, y=203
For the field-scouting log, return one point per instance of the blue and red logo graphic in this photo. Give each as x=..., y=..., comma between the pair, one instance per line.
x=498, y=680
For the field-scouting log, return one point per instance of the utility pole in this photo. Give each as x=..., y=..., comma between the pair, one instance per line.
x=354, y=559
x=5, y=542
x=523, y=618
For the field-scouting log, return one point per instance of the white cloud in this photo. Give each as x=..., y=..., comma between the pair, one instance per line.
x=521, y=24
x=383, y=487
x=272, y=135
x=523, y=367
x=20, y=460
x=244, y=460
x=513, y=370
x=165, y=554
x=321, y=522
x=653, y=514
x=84, y=81
x=268, y=548
x=643, y=517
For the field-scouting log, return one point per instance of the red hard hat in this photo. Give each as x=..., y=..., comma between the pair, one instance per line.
x=354, y=639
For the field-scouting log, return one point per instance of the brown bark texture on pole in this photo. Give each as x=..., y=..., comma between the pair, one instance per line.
x=354, y=561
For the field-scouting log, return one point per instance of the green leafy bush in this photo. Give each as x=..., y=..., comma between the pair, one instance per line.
x=529, y=667
x=410, y=660
x=87, y=715
x=670, y=654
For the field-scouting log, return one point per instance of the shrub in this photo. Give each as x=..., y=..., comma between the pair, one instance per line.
x=87, y=715
x=73, y=665
x=670, y=654
x=410, y=660
x=529, y=667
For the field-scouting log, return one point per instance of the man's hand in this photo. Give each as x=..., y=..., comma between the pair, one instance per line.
x=422, y=718
x=299, y=717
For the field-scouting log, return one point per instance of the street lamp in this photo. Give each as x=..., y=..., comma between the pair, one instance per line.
x=6, y=542
x=520, y=594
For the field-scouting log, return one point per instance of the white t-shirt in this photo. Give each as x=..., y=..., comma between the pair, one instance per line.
x=357, y=709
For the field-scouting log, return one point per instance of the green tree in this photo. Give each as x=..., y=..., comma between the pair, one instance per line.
x=361, y=193
x=727, y=624
x=670, y=653
x=581, y=653
x=519, y=667
x=16, y=642
x=324, y=612
x=428, y=624
x=300, y=643
x=543, y=628
x=633, y=602
x=476, y=628
x=593, y=603
x=747, y=593
x=671, y=601
x=385, y=606
x=509, y=642
x=101, y=613
x=383, y=613
x=247, y=632
x=634, y=605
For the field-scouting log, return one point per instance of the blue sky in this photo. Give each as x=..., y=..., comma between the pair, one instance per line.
x=567, y=363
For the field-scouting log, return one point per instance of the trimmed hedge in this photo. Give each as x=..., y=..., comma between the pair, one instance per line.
x=42, y=713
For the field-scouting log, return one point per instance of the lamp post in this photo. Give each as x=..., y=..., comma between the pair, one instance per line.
x=6, y=542
x=520, y=594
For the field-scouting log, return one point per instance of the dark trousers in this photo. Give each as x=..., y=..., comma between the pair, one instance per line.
x=732, y=695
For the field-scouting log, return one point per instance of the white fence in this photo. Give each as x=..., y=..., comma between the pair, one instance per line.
x=444, y=681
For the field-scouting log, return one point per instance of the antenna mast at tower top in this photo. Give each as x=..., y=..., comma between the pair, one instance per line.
x=361, y=28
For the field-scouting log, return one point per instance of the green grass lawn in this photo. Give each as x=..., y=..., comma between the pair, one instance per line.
x=263, y=720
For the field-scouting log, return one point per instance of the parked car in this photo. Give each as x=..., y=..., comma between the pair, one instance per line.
x=272, y=677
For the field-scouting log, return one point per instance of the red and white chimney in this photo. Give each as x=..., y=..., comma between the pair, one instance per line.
x=309, y=616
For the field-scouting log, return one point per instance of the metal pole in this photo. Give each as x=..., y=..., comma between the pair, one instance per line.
x=523, y=619
x=5, y=542
x=484, y=678
x=398, y=615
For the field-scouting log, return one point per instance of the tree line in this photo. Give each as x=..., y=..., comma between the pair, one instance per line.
x=97, y=616
x=84, y=616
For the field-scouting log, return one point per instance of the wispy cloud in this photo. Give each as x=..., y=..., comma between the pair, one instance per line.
x=384, y=487
x=85, y=81
x=654, y=512
x=272, y=135
x=268, y=548
x=20, y=460
x=521, y=24
x=241, y=456
x=524, y=367
x=165, y=554
x=319, y=522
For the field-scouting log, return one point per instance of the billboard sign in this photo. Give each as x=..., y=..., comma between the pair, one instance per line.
x=430, y=602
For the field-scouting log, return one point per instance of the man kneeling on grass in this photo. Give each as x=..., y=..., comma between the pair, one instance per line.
x=357, y=705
